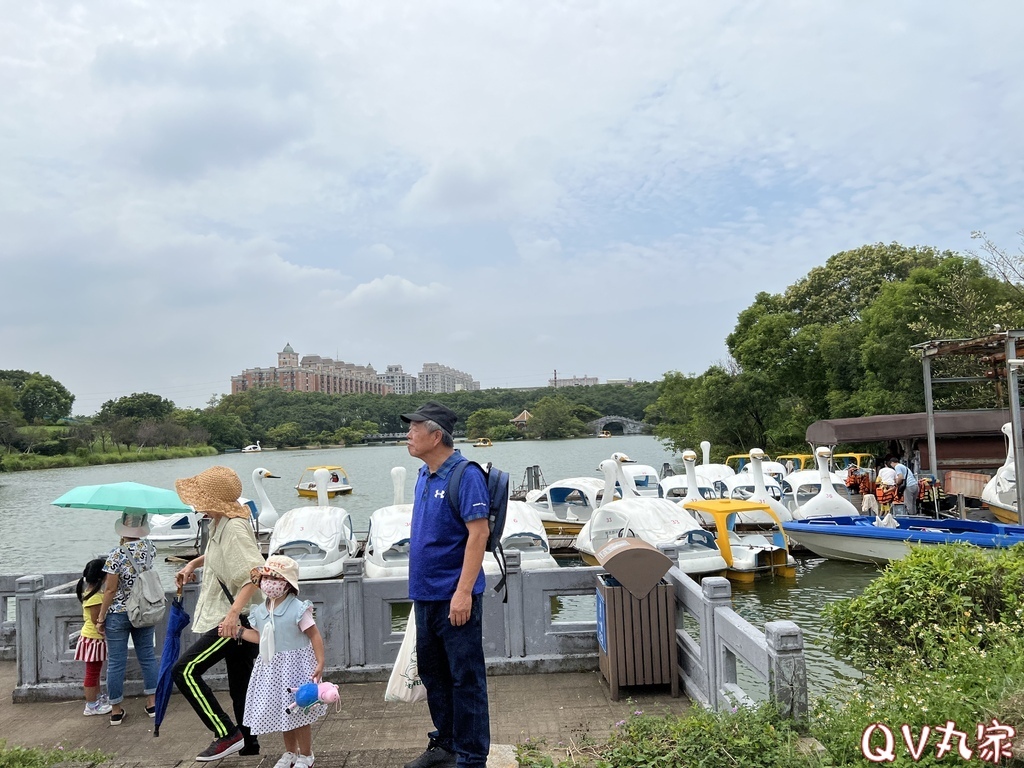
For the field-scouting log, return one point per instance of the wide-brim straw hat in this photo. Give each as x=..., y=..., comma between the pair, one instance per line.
x=214, y=491
x=134, y=524
x=281, y=567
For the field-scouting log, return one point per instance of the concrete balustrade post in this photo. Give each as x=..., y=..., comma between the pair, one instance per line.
x=352, y=586
x=716, y=592
x=27, y=591
x=787, y=670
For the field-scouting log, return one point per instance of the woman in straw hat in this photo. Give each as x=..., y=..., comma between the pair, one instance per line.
x=230, y=564
x=135, y=555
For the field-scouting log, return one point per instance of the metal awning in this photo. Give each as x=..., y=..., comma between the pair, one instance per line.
x=1002, y=348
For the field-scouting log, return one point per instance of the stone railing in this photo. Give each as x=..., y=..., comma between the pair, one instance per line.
x=537, y=630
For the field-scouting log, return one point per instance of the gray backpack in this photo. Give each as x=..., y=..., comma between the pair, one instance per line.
x=147, y=602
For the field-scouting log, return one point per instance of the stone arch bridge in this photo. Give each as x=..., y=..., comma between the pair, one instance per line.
x=618, y=425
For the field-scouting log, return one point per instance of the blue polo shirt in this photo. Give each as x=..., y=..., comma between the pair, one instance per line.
x=439, y=534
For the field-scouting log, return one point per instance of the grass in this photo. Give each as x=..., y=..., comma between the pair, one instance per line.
x=17, y=462
x=31, y=757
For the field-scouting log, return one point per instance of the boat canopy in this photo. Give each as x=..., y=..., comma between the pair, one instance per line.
x=902, y=426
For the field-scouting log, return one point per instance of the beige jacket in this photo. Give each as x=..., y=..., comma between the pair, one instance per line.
x=231, y=554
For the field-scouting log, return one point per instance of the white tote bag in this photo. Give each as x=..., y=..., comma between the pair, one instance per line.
x=404, y=683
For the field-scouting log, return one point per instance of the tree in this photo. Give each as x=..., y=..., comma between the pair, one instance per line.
x=289, y=433
x=43, y=398
x=138, y=405
x=1008, y=266
x=480, y=423
x=552, y=418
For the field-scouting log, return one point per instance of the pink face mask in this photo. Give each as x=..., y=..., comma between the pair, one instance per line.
x=273, y=588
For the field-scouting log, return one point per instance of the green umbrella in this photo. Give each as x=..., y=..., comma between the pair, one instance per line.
x=123, y=496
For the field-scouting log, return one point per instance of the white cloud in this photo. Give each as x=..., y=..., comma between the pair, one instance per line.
x=186, y=187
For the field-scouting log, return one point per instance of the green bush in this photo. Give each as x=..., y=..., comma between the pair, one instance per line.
x=922, y=605
x=747, y=737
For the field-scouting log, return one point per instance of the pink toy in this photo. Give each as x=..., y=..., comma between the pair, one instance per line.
x=311, y=694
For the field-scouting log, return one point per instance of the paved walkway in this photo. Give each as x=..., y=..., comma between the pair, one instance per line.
x=367, y=732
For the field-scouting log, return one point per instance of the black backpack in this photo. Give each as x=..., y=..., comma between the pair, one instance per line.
x=497, y=490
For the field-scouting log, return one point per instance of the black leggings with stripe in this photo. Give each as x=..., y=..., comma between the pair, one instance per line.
x=188, y=676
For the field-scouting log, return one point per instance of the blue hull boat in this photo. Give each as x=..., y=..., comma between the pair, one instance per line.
x=856, y=538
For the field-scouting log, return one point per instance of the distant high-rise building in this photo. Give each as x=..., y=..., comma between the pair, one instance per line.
x=401, y=383
x=575, y=381
x=440, y=378
x=312, y=374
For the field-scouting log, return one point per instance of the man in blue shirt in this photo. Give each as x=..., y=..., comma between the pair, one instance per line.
x=906, y=479
x=446, y=584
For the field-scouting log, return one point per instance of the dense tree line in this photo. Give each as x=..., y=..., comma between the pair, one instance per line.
x=839, y=343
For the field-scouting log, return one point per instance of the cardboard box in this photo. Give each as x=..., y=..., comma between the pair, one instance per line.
x=634, y=563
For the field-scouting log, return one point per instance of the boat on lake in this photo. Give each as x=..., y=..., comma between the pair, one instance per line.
x=566, y=505
x=1000, y=493
x=337, y=484
x=482, y=442
x=860, y=538
x=320, y=539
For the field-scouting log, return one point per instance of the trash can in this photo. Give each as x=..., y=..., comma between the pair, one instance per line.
x=636, y=617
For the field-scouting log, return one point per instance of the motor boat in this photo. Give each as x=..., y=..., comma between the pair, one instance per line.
x=181, y=529
x=860, y=538
x=566, y=505
x=1000, y=493
x=659, y=522
x=320, y=539
x=827, y=501
x=337, y=482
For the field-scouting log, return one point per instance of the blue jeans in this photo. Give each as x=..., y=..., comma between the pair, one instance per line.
x=451, y=666
x=117, y=630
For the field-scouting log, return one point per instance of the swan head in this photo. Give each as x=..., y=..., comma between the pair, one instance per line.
x=824, y=452
x=622, y=458
x=262, y=473
x=756, y=453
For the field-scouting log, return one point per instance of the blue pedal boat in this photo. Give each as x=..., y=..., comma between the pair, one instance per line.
x=856, y=537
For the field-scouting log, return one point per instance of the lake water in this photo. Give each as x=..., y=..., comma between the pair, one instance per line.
x=38, y=537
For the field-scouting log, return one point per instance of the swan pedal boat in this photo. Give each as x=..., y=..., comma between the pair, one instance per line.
x=483, y=442
x=338, y=484
x=566, y=505
x=856, y=538
x=387, y=543
x=751, y=555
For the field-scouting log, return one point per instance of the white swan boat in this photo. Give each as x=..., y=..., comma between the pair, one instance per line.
x=659, y=522
x=320, y=539
x=753, y=484
x=566, y=505
x=676, y=487
x=644, y=476
x=747, y=555
x=801, y=486
x=1000, y=493
x=255, y=448
x=387, y=544
x=828, y=501
x=713, y=474
x=181, y=529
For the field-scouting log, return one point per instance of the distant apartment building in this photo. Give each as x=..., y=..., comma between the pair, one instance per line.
x=312, y=373
x=401, y=383
x=625, y=382
x=440, y=378
x=574, y=381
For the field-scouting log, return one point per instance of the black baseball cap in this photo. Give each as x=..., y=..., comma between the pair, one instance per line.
x=433, y=411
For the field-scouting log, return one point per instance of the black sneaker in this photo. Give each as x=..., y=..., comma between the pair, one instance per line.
x=117, y=718
x=250, y=748
x=228, y=745
x=435, y=756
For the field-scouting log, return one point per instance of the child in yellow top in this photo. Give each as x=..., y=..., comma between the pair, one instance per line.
x=92, y=647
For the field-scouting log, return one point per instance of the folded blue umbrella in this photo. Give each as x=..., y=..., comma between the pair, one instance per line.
x=177, y=620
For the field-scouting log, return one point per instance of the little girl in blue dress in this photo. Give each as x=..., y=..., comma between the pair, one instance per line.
x=291, y=654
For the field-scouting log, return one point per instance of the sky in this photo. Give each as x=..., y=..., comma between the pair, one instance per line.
x=507, y=188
